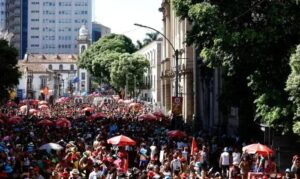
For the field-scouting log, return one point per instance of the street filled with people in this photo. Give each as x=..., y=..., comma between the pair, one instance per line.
x=107, y=137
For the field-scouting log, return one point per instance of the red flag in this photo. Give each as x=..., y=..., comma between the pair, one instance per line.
x=194, y=147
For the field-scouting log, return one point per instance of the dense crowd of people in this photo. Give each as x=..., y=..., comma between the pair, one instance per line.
x=80, y=130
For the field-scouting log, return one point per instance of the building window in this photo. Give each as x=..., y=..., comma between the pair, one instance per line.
x=50, y=67
x=43, y=82
x=82, y=49
x=82, y=76
x=60, y=67
x=72, y=67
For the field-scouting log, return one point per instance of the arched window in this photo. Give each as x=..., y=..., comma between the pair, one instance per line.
x=50, y=67
x=72, y=67
x=60, y=67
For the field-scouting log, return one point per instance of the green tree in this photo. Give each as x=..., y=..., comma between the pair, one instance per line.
x=150, y=37
x=97, y=59
x=251, y=41
x=293, y=87
x=9, y=73
x=139, y=44
x=129, y=70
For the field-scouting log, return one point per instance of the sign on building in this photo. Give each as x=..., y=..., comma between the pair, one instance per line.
x=176, y=105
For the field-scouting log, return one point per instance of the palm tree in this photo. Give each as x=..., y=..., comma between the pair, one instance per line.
x=139, y=44
x=150, y=38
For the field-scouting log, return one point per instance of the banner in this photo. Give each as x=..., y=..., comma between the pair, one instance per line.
x=176, y=105
x=20, y=94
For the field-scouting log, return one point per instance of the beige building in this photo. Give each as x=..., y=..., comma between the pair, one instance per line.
x=199, y=85
x=175, y=30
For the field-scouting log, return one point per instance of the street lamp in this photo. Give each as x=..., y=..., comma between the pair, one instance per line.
x=176, y=52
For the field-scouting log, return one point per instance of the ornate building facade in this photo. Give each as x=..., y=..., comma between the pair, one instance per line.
x=175, y=30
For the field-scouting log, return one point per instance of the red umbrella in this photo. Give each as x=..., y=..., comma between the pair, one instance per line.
x=11, y=103
x=148, y=116
x=134, y=105
x=45, y=122
x=120, y=101
x=63, y=122
x=121, y=140
x=34, y=102
x=90, y=109
x=43, y=106
x=258, y=149
x=43, y=102
x=159, y=114
x=14, y=120
x=176, y=134
x=31, y=111
x=98, y=115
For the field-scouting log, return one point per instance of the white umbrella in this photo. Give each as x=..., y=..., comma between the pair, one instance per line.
x=50, y=146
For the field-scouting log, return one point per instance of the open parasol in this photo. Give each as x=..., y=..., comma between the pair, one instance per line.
x=121, y=140
x=51, y=146
x=45, y=122
x=63, y=122
x=148, y=117
x=176, y=134
x=258, y=149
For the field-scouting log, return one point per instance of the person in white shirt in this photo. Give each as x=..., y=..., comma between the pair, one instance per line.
x=236, y=156
x=224, y=162
x=96, y=173
x=153, y=151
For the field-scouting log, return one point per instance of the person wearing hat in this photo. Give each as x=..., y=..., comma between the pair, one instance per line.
x=74, y=174
x=287, y=174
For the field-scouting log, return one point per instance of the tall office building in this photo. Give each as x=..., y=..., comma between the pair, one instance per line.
x=98, y=31
x=2, y=14
x=53, y=25
x=16, y=23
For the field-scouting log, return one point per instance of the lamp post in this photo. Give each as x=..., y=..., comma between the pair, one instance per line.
x=176, y=52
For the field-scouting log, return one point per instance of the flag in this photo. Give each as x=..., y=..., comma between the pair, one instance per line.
x=75, y=79
x=194, y=147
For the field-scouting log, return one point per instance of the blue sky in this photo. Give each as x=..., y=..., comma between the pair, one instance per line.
x=120, y=15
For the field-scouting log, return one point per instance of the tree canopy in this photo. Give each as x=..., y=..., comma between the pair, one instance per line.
x=98, y=57
x=9, y=73
x=129, y=70
x=252, y=42
x=293, y=87
x=102, y=58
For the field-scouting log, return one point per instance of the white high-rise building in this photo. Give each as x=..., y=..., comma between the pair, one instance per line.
x=53, y=25
x=2, y=14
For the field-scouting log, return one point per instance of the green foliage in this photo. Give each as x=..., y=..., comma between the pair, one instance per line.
x=251, y=41
x=150, y=37
x=9, y=73
x=129, y=70
x=293, y=87
x=97, y=59
x=111, y=60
